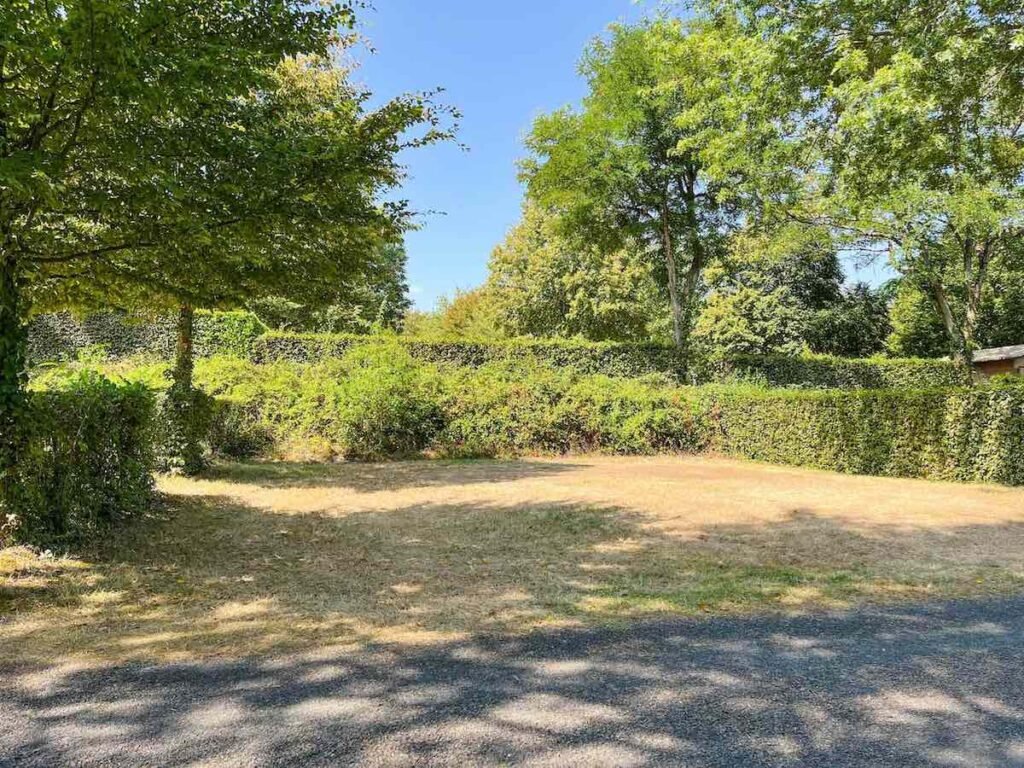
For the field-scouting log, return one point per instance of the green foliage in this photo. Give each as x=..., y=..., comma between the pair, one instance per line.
x=375, y=299
x=226, y=333
x=387, y=403
x=469, y=315
x=907, y=118
x=62, y=337
x=86, y=463
x=964, y=435
x=820, y=372
x=520, y=407
x=545, y=284
x=585, y=357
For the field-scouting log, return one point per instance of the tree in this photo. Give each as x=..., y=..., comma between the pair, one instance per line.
x=91, y=97
x=188, y=156
x=373, y=300
x=912, y=111
x=544, y=284
x=857, y=325
x=468, y=315
x=767, y=291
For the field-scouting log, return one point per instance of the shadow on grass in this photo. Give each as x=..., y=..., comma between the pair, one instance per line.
x=214, y=577
x=368, y=477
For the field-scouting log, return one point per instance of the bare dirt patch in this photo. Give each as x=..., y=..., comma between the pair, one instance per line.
x=267, y=557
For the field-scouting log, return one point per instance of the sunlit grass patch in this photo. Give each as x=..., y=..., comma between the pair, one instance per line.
x=260, y=559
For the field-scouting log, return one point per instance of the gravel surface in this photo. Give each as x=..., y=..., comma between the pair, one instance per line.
x=928, y=685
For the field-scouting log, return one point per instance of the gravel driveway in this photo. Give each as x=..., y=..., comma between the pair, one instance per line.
x=938, y=685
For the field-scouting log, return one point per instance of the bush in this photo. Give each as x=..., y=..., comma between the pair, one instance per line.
x=819, y=372
x=386, y=403
x=521, y=407
x=62, y=337
x=971, y=435
x=585, y=357
x=56, y=338
x=87, y=464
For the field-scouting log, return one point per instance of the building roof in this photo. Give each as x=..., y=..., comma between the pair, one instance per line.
x=999, y=353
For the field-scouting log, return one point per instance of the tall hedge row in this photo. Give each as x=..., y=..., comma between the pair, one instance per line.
x=969, y=435
x=87, y=463
x=62, y=337
x=838, y=373
x=584, y=357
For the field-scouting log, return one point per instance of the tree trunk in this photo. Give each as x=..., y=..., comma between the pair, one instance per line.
x=673, y=280
x=954, y=333
x=13, y=379
x=183, y=357
x=184, y=417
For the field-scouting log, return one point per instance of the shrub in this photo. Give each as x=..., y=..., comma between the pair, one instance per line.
x=387, y=404
x=87, y=464
x=516, y=407
x=821, y=372
x=972, y=435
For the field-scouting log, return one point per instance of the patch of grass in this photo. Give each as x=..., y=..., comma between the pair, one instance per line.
x=267, y=558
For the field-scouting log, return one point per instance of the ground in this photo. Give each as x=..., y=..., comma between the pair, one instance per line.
x=935, y=686
x=281, y=558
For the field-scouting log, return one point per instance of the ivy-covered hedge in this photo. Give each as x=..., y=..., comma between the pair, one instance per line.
x=86, y=466
x=969, y=435
x=63, y=337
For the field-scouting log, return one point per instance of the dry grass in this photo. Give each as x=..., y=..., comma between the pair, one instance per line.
x=265, y=558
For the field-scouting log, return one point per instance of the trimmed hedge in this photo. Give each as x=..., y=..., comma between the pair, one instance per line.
x=968, y=435
x=379, y=401
x=63, y=337
x=634, y=360
x=584, y=357
x=87, y=463
x=837, y=373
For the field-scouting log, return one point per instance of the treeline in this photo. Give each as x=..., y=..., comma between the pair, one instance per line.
x=707, y=185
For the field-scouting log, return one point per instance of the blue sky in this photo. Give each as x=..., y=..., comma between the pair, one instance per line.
x=502, y=64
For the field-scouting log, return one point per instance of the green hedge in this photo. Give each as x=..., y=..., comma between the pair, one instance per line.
x=585, y=357
x=380, y=401
x=633, y=360
x=837, y=373
x=56, y=338
x=63, y=337
x=87, y=463
x=970, y=435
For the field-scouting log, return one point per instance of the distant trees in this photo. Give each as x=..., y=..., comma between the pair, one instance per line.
x=543, y=282
x=913, y=131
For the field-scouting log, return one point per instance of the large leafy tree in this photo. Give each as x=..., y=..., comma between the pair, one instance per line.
x=196, y=153
x=913, y=114
x=92, y=95
x=652, y=155
x=545, y=284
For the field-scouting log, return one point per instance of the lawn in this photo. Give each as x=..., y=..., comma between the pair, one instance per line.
x=256, y=558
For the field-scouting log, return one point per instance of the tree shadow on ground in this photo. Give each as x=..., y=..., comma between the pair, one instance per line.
x=919, y=686
x=213, y=577
x=372, y=477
